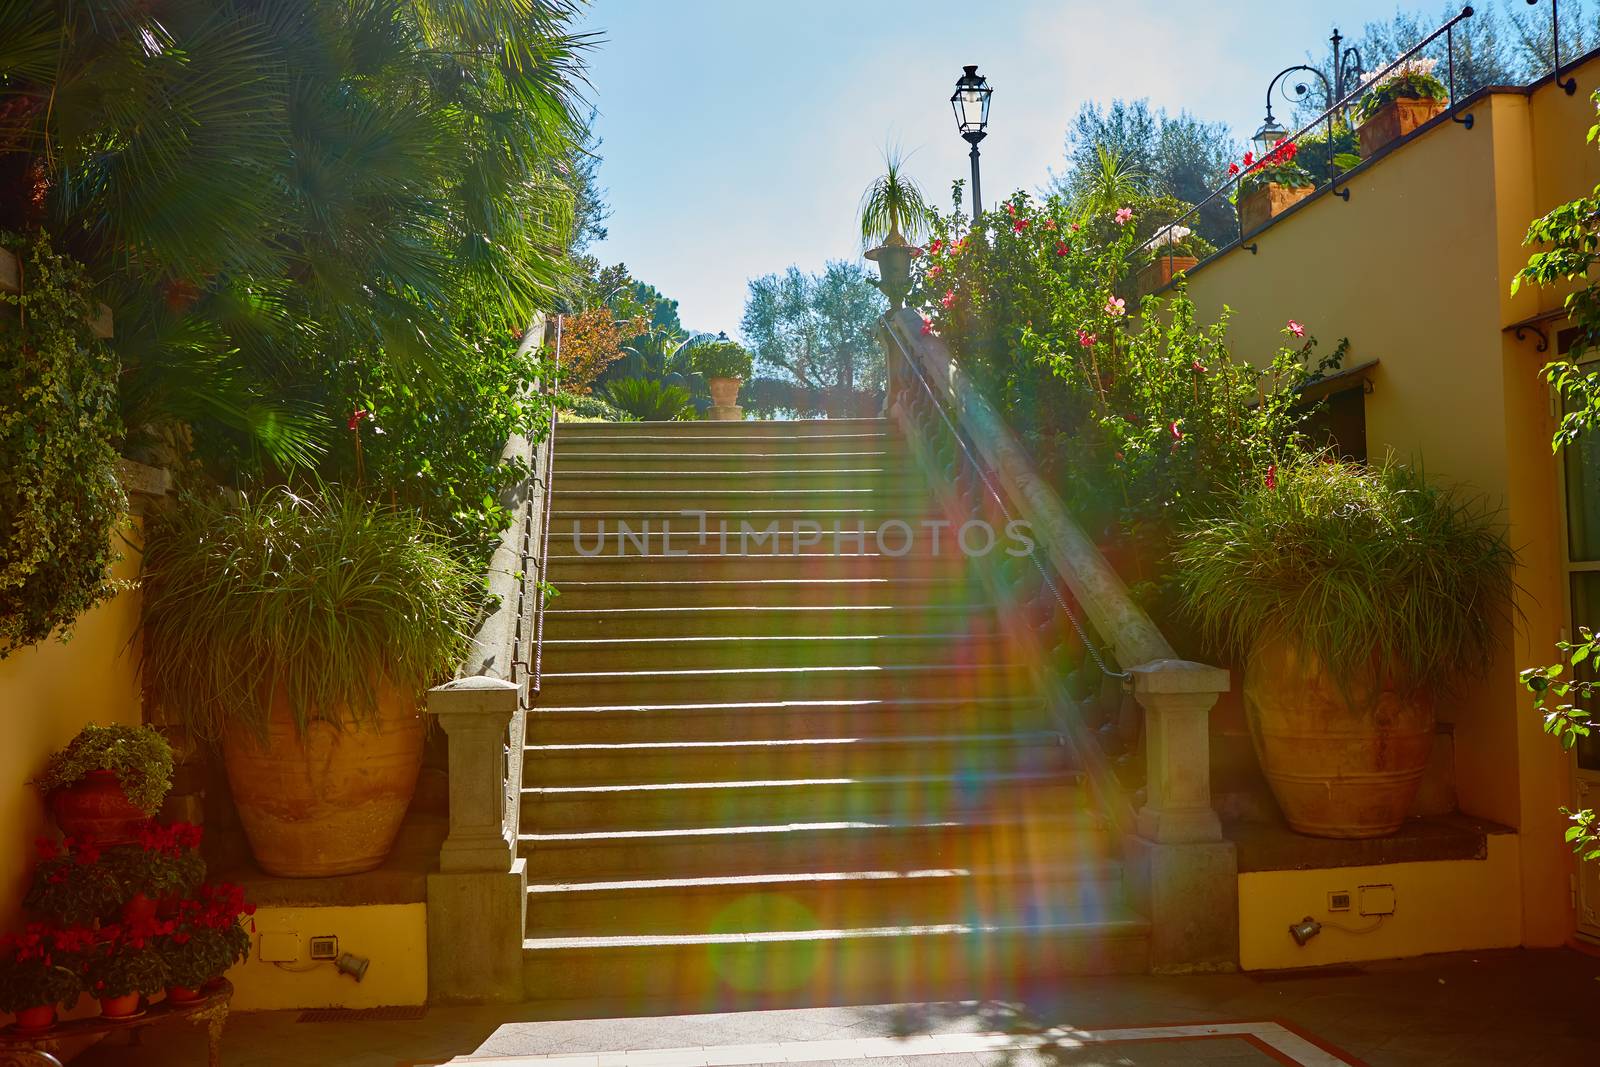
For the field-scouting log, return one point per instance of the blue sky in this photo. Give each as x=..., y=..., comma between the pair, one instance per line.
x=739, y=134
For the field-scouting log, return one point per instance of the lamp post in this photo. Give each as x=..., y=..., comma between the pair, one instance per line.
x=970, y=102
x=1346, y=71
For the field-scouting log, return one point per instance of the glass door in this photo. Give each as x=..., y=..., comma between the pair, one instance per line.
x=1581, y=462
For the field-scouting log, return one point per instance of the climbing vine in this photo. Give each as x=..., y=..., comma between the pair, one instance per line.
x=60, y=499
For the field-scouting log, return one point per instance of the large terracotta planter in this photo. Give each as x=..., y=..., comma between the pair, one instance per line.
x=1158, y=274
x=1341, y=762
x=96, y=809
x=1267, y=201
x=725, y=399
x=330, y=802
x=1393, y=121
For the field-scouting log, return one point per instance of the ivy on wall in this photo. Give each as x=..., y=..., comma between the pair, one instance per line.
x=60, y=499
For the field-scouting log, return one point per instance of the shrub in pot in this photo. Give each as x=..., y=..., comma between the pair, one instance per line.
x=725, y=365
x=1355, y=597
x=301, y=634
x=107, y=781
x=1405, y=98
x=207, y=937
x=38, y=972
x=1271, y=185
x=123, y=965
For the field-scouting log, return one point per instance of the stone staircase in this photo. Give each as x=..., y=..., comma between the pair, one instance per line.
x=800, y=769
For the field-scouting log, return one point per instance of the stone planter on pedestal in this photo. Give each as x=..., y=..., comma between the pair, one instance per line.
x=724, y=400
x=1267, y=201
x=1393, y=121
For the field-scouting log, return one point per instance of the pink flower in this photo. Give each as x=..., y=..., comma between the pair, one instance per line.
x=1086, y=339
x=933, y=249
x=1049, y=224
x=1019, y=225
x=1199, y=368
x=1011, y=209
x=1124, y=215
x=949, y=298
x=1062, y=248
x=959, y=246
x=1076, y=227
x=1272, y=476
x=927, y=326
x=934, y=272
x=1172, y=428
x=1296, y=328
x=1115, y=305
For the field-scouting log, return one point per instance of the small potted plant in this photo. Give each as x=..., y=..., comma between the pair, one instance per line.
x=725, y=365
x=207, y=938
x=107, y=781
x=38, y=972
x=1356, y=597
x=302, y=634
x=1172, y=251
x=1399, y=102
x=1270, y=186
x=82, y=883
x=124, y=965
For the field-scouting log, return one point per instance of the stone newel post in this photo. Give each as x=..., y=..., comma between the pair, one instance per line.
x=476, y=713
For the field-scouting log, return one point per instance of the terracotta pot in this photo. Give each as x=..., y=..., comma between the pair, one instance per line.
x=1342, y=762
x=119, y=1007
x=1160, y=272
x=1393, y=121
x=724, y=391
x=182, y=994
x=1267, y=201
x=140, y=909
x=330, y=802
x=36, y=1019
x=96, y=808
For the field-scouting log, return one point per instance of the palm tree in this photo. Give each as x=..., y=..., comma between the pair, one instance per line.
x=1116, y=181
x=264, y=188
x=893, y=206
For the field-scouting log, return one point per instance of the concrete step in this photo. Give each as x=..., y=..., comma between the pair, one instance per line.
x=660, y=534
x=774, y=592
x=703, y=762
x=781, y=429
x=996, y=832
x=830, y=899
x=895, y=964
x=689, y=477
x=867, y=517
x=684, y=651
x=564, y=624
x=881, y=681
x=747, y=566
x=799, y=797
x=908, y=502
x=780, y=720
x=576, y=457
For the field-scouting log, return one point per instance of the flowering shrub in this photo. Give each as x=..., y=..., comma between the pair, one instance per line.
x=39, y=966
x=206, y=936
x=1412, y=80
x=84, y=882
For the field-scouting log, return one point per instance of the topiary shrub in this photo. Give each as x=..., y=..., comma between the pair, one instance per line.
x=60, y=499
x=721, y=359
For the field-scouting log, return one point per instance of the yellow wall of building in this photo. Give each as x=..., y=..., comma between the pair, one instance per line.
x=1416, y=270
x=393, y=936
x=47, y=693
x=1440, y=906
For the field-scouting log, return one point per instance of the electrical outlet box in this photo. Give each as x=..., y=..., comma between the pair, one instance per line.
x=1377, y=899
x=1339, y=900
x=280, y=947
x=324, y=947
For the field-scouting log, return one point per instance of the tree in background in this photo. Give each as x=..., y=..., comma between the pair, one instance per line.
x=1140, y=151
x=812, y=337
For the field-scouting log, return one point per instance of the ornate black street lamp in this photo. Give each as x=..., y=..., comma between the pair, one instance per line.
x=970, y=102
x=1347, y=71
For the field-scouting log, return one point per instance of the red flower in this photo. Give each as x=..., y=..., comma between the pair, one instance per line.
x=1272, y=476
x=933, y=248
x=1062, y=248
x=357, y=416
x=1011, y=209
x=934, y=272
x=1249, y=159
x=1199, y=368
x=948, y=299
x=1233, y=170
x=1019, y=225
x=1177, y=434
x=1049, y=224
x=927, y=326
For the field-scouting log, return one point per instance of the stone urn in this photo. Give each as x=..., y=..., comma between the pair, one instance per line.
x=1395, y=120
x=1267, y=201
x=1344, y=756
x=724, y=399
x=893, y=258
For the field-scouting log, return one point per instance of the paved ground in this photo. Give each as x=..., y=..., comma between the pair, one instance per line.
x=1514, y=1007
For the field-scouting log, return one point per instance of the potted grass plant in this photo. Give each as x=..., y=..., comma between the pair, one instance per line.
x=1399, y=102
x=38, y=973
x=1355, y=597
x=1271, y=185
x=725, y=365
x=300, y=635
x=894, y=214
x=107, y=782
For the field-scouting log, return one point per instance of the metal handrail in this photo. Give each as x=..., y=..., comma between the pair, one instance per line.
x=544, y=520
x=1447, y=31
x=994, y=492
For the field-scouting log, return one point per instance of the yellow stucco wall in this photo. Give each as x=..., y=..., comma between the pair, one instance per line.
x=1439, y=906
x=393, y=936
x=1416, y=270
x=47, y=693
